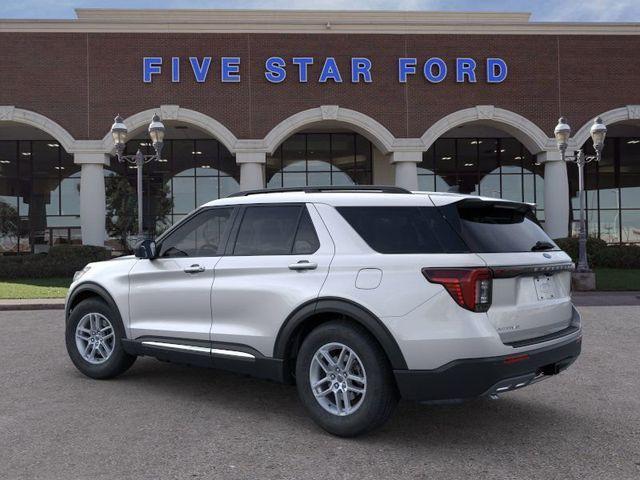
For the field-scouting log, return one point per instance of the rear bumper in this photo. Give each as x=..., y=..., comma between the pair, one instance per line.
x=470, y=378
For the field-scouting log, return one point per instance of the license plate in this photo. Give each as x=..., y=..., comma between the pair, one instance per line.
x=545, y=288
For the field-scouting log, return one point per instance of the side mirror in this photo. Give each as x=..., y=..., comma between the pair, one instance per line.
x=146, y=249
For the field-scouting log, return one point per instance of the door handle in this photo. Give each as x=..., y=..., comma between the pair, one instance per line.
x=195, y=268
x=303, y=265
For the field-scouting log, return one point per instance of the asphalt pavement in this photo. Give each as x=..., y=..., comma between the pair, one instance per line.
x=163, y=421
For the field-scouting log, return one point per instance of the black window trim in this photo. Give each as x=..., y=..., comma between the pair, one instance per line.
x=233, y=234
x=193, y=215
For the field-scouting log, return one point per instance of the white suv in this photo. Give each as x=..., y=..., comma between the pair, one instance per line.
x=358, y=295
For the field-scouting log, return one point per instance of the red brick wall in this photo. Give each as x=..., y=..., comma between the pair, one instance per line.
x=82, y=80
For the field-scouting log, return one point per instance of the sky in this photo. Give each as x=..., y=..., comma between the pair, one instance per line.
x=542, y=10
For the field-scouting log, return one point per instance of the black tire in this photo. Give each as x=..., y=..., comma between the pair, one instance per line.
x=381, y=394
x=118, y=362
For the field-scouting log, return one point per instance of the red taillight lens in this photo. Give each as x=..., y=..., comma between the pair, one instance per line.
x=469, y=287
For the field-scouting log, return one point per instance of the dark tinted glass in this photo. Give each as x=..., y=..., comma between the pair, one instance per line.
x=267, y=230
x=306, y=241
x=403, y=229
x=489, y=227
x=198, y=237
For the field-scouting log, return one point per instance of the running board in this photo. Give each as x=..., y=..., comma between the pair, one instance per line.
x=234, y=358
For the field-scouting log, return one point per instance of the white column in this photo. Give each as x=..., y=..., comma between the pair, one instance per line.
x=556, y=194
x=406, y=166
x=251, y=169
x=92, y=197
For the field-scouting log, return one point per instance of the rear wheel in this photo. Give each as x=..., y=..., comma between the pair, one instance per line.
x=94, y=336
x=344, y=379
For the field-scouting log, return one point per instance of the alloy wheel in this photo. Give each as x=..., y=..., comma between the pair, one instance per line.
x=338, y=379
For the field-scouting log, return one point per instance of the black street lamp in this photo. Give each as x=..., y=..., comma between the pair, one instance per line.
x=156, y=132
x=562, y=133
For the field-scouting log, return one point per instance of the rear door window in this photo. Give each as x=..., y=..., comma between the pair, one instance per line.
x=497, y=227
x=276, y=230
x=404, y=229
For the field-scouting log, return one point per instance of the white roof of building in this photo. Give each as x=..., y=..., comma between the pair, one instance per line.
x=311, y=21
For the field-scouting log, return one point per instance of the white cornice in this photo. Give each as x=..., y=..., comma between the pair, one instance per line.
x=303, y=21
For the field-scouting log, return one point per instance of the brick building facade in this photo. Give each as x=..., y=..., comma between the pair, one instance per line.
x=230, y=85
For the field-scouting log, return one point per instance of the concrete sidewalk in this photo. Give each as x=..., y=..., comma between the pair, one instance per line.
x=581, y=299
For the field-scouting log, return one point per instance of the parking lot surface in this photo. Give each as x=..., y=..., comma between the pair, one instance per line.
x=166, y=421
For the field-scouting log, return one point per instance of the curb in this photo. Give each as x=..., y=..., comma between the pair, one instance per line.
x=17, y=305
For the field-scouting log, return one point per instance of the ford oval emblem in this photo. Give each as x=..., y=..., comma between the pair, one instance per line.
x=546, y=255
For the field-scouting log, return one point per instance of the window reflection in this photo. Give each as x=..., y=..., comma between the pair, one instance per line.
x=492, y=167
x=612, y=188
x=320, y=159
x=39, y=196
x=190, y=173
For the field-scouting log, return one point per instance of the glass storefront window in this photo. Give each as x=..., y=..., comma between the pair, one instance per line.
x=320, y=159
x=191, y=173
x=612, y=191
x=39, y=195
x=492, y=167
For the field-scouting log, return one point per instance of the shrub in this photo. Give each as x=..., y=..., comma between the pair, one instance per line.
x=61, y=261
x=570, y=245
x=599, y=254
x=618, y=256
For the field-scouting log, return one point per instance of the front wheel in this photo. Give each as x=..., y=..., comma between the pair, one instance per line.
x=93, y=337
x=344, y=379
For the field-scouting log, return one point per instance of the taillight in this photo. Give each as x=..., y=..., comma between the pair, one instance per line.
x=469, y=287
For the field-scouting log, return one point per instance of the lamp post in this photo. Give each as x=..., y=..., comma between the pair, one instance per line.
x=562, y=133
x=119, y=133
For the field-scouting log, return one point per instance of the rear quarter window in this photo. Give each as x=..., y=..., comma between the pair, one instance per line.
x=403, y=229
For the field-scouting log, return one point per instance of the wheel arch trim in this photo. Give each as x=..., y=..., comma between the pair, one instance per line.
x=96, y=290
x=339, y=306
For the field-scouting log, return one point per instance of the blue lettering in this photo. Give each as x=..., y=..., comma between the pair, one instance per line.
x=200, y=71
x=230, y=70
x=175, y=69
x=428, y=70
x=465, y=67
x=496, y=70
x=151, y=66
x=275, y=69
x=330, y=71
x=360, y=67
x=303, y=66
x=406, y=66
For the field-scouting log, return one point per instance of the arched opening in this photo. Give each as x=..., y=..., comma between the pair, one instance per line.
x=479, y=159
x=328, y=145
x=39, y=190
x=323, y=155
x=195, y=169
x=612, y=186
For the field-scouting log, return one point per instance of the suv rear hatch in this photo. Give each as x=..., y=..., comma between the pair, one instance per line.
x=531, y=294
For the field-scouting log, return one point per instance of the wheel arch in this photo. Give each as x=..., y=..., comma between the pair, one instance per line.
x=88, y=290
x=316, y=312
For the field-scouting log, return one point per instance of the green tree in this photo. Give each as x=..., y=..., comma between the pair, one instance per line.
x=122, y=209
x=9, y=221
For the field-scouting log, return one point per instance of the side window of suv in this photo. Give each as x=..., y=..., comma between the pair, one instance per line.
x=276, y=230
x=198, y=237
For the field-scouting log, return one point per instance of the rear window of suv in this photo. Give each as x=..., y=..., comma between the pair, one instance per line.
x=404, y=229
x=497, y=227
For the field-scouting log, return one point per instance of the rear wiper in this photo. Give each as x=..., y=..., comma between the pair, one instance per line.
x=541, y=246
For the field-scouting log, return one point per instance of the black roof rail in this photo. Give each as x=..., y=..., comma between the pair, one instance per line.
x=327, y=188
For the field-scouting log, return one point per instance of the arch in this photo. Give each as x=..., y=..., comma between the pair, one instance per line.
x=527, y=132
x=629, y=112
x=9, y=113
x=177, y=113
x=373, y=130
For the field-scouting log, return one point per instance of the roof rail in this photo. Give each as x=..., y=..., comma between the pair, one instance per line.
x=327, y=188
